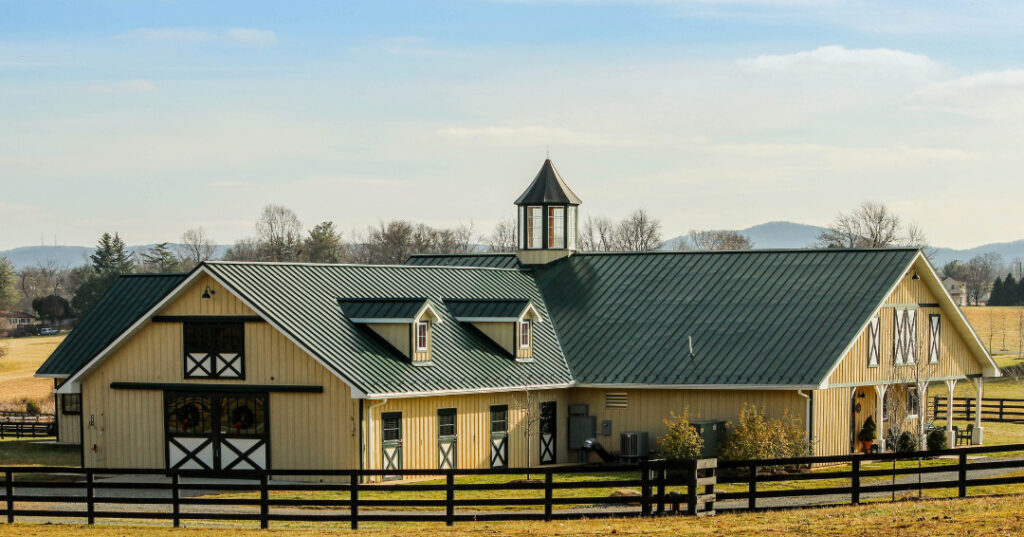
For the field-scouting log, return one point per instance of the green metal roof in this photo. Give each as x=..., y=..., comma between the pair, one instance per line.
x=485, y=308
x=757, y=318
x=502, y=260
x=127, y=299
x=381, y=308
x=548, y=187
x=303, y=300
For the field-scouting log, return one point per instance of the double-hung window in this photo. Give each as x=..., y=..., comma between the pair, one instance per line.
x=524, y=334
x=534, y=227
x=422, y=336
x=556, y=227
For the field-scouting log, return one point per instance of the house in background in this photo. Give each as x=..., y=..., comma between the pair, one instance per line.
x=957, y=290
x=476, y=361
x=12, y=320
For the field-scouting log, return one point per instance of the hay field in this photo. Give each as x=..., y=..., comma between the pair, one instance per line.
x=24, y=356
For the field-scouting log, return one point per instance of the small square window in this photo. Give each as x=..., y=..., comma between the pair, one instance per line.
x=70, y=403
x=422, y=336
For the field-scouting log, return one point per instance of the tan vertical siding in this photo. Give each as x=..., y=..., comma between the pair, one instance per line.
x=127, y=426
x=504, y=334
x=399, y=335
x=473, y=422
x=69, y=426
x=831, y=421
x=956, y=358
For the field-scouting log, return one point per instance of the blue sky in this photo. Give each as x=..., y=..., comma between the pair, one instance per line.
x=148, y=118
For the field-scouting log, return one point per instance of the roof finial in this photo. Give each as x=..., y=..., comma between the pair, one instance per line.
x=548, y=150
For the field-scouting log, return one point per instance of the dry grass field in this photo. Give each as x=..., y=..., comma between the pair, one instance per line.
x=938, y=518
x=24, y=356
x=999, y=327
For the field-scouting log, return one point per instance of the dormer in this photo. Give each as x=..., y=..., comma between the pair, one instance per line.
x=548, y=221
x=407, y=324
x=509, y=323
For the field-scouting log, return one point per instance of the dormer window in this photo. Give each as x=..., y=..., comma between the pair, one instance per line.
x=507, y=322
x=524, y=334
x=423, y=336
x=403, y=323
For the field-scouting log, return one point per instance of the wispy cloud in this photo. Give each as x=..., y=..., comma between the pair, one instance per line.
x=409, y=46
x=242, y=36
x=840, y=58
x=991, y=95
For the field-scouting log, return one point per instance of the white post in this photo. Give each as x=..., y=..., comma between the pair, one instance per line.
x=922, y=408
x=880, y=415
x=950, y=438
x=978, y=436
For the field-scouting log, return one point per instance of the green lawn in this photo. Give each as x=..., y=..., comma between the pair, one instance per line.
x=38, y=452
x=982, y=517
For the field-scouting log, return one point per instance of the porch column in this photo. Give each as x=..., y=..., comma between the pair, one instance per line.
x=880, y=390
x=950, y=439
x=978, y=437
x=922, y=413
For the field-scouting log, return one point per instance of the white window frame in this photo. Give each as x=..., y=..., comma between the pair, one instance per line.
x=904, y=333
x=425, y=337
x=534, y=227
x=556, y=226
x=525, y=329
x=934, y=338
x=874, y=341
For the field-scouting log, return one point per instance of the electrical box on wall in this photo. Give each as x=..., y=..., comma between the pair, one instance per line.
x=606, y=427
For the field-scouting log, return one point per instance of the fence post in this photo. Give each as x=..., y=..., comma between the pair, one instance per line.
x=9, y=476
x=353, y=497
x=855, y=482
x=968, y=403
x=264, y=505
x=449, y=499
x=1001, y=401
x=662, y=471
x=175, y=499
x=90, y=504
x=645, y=489
x=548, y=493
x=691, y=490
x=752, y=487
x=963, y=474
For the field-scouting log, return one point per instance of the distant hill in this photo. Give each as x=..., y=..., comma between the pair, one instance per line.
x=767, y=235
x=69, y=256
x=794, y=235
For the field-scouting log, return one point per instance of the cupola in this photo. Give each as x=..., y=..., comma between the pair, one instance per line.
x=548, y=220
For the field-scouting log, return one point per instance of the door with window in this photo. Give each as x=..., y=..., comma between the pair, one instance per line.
x=499, y=436
x=218, y=432
x=391, y=442
x=548, y=429
x=447, y=436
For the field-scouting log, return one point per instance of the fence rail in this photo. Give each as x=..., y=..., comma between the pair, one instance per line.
x=965, y=408
x=25, y=425
x=684, y=488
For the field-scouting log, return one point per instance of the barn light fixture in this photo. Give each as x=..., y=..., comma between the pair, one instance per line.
x=915, y=276
x=208, y=293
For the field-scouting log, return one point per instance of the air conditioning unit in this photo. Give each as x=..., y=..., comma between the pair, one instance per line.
x=634, y=445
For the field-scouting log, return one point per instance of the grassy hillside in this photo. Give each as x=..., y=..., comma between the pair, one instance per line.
x=997, y=326
x=17, y=386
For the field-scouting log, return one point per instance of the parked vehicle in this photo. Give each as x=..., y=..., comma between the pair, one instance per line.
x=48, y=331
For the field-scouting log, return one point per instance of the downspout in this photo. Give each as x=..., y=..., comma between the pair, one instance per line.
x=809, y=414
x=369, y=431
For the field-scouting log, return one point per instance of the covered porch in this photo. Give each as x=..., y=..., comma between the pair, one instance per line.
x=902, y=406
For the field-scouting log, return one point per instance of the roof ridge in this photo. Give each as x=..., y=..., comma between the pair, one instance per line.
x=754, y=251
x=367, y=265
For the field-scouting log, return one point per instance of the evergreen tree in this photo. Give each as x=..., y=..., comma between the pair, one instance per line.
x=997, y=296
x=111, y=255
x=9, y=295
x=1011, y=291
x=323, y=244
x=160, y=259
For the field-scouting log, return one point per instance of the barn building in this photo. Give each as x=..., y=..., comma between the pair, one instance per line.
x=473, y=361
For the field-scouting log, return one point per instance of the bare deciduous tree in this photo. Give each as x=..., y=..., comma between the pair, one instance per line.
x=196, y=247
x=280, y=233
x=872, y=225
x=978, y=274
x=598, y=234
x=638, y=232
x=717, y=240
x=247, y=249
x=503, y=238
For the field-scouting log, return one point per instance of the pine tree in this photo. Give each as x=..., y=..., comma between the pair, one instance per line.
x=111, y=255
x=323, y=244
x=997, y=296
x=1011, y=291
x=160, y=259
x=9, y=295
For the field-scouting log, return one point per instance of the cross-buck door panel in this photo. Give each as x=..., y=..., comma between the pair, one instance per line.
x=447, y=435
x=548, y=432
x=391, y=442
x=499, y=436
x=217, y=432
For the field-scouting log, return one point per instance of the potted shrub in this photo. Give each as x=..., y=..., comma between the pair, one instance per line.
x=867, y=435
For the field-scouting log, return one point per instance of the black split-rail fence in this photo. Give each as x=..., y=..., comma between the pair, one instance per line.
x=650, y=488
